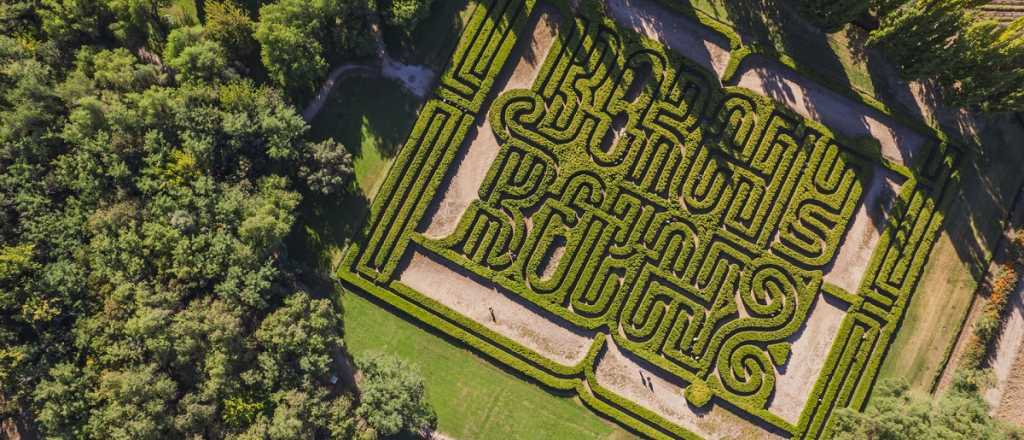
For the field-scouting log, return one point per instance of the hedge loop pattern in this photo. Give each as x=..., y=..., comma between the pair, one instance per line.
x=636, y=197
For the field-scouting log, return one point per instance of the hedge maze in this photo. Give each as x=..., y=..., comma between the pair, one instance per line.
x=639, y=199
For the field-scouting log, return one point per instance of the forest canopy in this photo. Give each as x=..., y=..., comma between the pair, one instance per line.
x=151, y=168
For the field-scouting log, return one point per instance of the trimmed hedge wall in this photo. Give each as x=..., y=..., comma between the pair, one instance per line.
x=636, y=199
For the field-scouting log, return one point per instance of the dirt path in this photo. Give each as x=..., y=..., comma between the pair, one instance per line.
x=475, y=160
x=1011, y=406
x=684, y=36
x=502, y=313
x=810, y=347
x=1006, y=351
x=416, y=79
x=624, y=374
x=814, y=101
x=869, y=220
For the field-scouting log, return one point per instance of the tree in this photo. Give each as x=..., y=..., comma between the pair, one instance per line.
x=144, y=286
x=230, y=26
x=392, y=398
x=194, y=56
x=895, y=414
x=299, y=39
x=328, y=167
x=919, y=36
x=405, y=14
x=292, y=58
x=991, y=73
x=975, y=62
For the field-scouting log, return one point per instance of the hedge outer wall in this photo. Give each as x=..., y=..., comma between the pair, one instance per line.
x=875, y=310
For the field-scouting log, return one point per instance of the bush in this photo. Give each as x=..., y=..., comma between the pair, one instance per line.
x=405, y=14
x=392, y=398
x=327, y=168
x=698, y=394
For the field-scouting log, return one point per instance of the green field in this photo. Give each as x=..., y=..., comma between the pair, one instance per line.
x=974, y=222
x=474, y=399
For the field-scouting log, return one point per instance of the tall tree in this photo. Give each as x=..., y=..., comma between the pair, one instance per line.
x=895, y=414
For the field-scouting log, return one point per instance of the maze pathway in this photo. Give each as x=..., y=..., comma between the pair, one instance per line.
x=606, y=215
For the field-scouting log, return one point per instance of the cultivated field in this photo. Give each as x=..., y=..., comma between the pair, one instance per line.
x=616, y=201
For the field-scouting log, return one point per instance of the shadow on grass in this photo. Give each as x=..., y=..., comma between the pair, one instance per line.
x=371, y=117
x=434, y=38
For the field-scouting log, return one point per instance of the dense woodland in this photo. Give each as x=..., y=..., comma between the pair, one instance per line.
x=974, y=61
x=151, y=167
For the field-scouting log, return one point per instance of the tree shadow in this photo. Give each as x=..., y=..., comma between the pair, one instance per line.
x=778, y=30
x=433, y=39
x=983, y=201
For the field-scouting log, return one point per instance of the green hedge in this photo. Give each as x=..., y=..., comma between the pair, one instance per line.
x=694, y=222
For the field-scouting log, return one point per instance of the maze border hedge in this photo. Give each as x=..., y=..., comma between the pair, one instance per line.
x=875, y=311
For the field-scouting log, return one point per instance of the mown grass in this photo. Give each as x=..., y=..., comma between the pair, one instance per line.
x=974, y=221
x=474, y=399
x=371, y=117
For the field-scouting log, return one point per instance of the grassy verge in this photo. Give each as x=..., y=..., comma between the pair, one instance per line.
x=474, y=399
x=371, y=116
x=433, y=40
x=959, y=259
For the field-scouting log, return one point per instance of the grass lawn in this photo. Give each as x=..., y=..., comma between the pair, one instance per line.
x=371, y=116
x=435, y=38
x=974, y=222
x=474, y=399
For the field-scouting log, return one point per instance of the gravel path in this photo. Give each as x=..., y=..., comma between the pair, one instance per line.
x=502, y=313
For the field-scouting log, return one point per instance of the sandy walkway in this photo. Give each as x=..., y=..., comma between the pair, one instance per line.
x=837, y=112
x=473, y=164
x=1006, y=353
x=684, y=36
x=524, y=323
x=621, y=374
x=810, y=348
x=869, y=221
x=1011, y=406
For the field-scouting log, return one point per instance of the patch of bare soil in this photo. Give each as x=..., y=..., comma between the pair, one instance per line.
x=696, y=42
x=464, y=186
x=490, y=306
x=810, y=348
x=1011, y=406
x=1005, y=357
x=625, y=375
x=853, y=119
x=416, y=79
x=868, y=223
